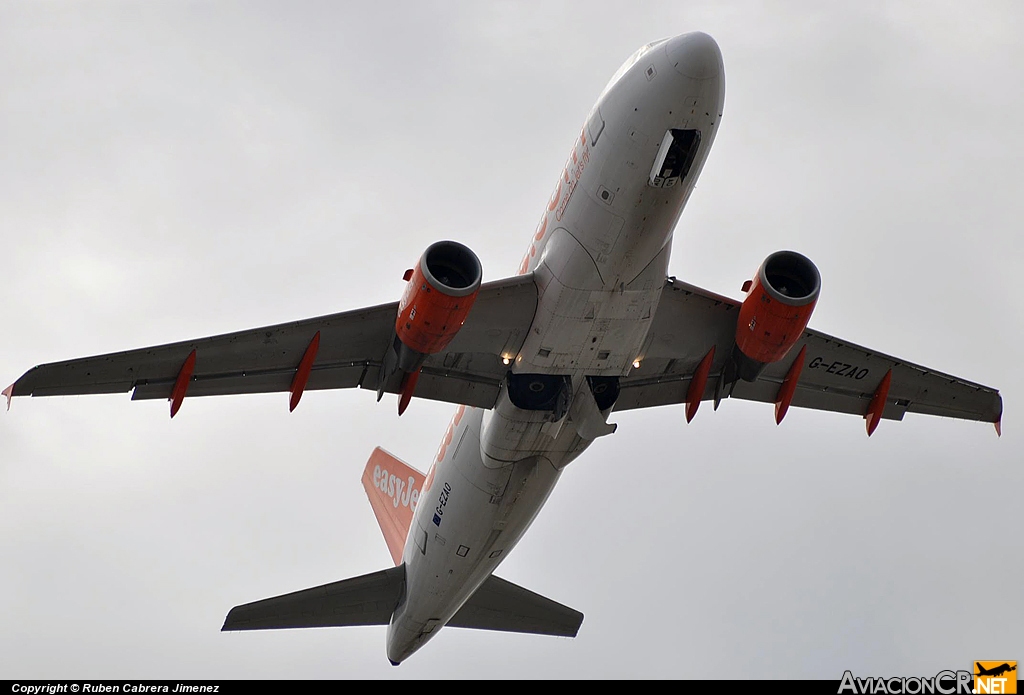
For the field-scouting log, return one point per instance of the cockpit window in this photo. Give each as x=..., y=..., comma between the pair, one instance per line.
x=630, y=62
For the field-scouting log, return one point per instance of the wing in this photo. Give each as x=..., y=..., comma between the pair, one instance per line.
x=350, y=349
x=837, y=375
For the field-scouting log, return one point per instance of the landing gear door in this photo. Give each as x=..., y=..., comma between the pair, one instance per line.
x=675, y=157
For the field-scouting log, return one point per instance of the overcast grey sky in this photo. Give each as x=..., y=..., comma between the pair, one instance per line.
x=174, y=170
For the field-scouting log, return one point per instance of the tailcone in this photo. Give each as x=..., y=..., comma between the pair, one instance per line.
x=405, y=638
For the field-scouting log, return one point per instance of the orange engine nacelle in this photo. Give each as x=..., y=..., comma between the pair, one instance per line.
x=441, y=291
x=775, y=313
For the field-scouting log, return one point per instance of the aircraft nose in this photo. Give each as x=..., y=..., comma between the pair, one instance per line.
x=695, y=55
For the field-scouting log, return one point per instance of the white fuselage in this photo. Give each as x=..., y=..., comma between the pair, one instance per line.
x=599, y=257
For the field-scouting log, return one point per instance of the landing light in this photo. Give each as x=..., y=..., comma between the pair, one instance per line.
x=636, y=364
x=506, y=361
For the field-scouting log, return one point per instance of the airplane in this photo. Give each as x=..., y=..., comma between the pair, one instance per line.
x=537, y=363
x=995, y=671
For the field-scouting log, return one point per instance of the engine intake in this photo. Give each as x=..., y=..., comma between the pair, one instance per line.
x=775, y=313
x=451, y=268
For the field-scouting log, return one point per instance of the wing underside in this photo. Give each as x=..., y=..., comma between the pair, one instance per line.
x=351, y=347
x=837, y=375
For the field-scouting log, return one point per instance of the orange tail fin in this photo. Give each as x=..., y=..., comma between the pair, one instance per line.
x=394, y=488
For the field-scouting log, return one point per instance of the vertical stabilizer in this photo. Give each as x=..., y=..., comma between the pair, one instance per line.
x=394, y=489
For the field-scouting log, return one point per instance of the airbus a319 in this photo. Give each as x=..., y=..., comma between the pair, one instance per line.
x=536, y=363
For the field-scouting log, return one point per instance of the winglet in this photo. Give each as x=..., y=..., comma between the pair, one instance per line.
x=877, y=405
x=698, y=383
x=182, y=382
x=998, y=423
x=9, y=391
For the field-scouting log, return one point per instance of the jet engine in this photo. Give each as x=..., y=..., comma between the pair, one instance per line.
x=440, y=292
x=437, y=300
x=775, y=313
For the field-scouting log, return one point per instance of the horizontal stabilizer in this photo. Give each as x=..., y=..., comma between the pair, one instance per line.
x=366, y=600
x=504, y=606
x=372, y=598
